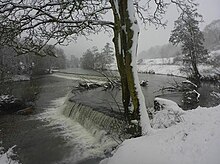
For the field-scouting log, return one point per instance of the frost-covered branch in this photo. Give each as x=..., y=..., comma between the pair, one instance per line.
x=35, y=23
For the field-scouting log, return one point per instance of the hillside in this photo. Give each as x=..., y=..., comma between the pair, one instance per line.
x=212, y=43
x=212, y=35
x=164, y=51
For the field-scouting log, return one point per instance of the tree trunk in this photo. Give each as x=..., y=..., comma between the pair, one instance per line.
x=126, y=33
x=120, y=62
x=196, y=74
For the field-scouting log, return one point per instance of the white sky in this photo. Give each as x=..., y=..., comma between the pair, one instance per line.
x=210, y=10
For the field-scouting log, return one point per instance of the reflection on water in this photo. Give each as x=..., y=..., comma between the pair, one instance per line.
x=209, y=94
x=111, y=99
x=27, y=91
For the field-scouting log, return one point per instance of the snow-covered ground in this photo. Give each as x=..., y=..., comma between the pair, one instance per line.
x=16, y=78
x=20, y=78
x=6, y=156
x=193, y=138
x=165, y=66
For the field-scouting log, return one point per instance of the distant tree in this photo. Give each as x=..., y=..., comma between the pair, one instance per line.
x=56, y=60
x=73, y=62
x=93, y=59
x=60, y=60
x=107, y=51
x=12, y=64
x=88, y=59
x=103, y=59
x=187, y=33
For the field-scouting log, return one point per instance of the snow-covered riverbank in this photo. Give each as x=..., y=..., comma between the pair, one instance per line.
x=165, y=66
x=195, y=140
x=6, y=156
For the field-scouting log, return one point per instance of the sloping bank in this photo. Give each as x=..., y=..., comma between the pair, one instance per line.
x=194, y=140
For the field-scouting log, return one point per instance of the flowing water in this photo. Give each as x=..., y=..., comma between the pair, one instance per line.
x=81, y=131
x=47, y=136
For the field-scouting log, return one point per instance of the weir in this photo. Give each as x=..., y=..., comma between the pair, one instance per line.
x=97, y=123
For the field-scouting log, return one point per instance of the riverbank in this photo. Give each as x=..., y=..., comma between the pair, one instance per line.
x=167, y=66
x=35, y=141
x=194, y=140
x=47, y=136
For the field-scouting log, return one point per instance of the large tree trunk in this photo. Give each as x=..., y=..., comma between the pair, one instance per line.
x=120, y=61
x=126, y=33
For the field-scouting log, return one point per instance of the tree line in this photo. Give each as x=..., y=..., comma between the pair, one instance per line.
x=93, y=59
x=29, y=64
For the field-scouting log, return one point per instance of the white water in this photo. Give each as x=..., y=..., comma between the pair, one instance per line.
x=85, y=144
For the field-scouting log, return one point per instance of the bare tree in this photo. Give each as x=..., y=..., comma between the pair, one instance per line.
x=29, y=25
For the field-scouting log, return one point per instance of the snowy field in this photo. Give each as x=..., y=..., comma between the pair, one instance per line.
x=160, y=67
x=164, y=66
x=193, y=139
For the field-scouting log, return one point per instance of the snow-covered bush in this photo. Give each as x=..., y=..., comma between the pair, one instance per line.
x=7, y=157
x=166, y=118
x=167, y=115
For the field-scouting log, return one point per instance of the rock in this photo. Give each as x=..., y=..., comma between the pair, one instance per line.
x=161, y=104
x=151, y=72
x=25, y=111
x=93, y=85
x=166, y=113
x=9, y=104
x=85, y=85
x=157, y=106
x=143, y=83
x=190, y=100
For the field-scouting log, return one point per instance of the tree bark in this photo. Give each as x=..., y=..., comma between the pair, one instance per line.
x=196, y=74
x=120, y=61
x=126, y=33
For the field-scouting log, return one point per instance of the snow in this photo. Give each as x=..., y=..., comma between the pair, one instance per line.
x=20, y=78
x=187, y=81
x=81, y=78
x=6, y=157
x=166, y=66
x=169, y=116
x=195, y=140
x=162, y=69
x=163, y=61
x=168, y=104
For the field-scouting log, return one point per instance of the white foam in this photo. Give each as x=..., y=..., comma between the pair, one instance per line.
x=85, y=144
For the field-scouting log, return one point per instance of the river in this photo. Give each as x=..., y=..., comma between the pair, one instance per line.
x=46, y=136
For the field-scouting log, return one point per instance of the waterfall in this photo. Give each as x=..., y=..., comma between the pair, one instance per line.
x=96, y=122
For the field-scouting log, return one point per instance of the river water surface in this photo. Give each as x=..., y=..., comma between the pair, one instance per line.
x=46, y=136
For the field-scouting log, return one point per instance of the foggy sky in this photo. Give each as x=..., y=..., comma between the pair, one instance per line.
x=210, y=10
